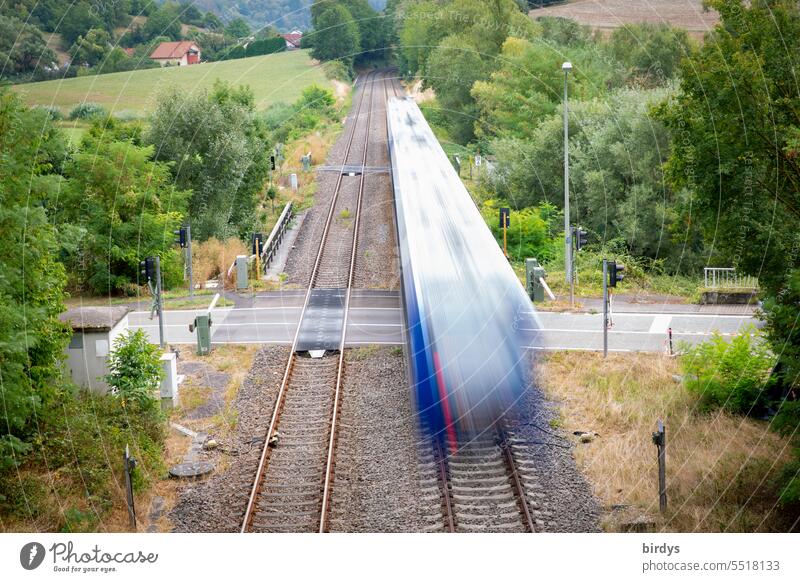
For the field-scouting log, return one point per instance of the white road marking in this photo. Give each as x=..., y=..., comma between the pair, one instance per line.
x=660, y=323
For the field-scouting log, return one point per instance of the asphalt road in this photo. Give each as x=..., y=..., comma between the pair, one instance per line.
x=376, y=318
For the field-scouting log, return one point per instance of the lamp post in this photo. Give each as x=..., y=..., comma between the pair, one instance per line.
x=567, y=67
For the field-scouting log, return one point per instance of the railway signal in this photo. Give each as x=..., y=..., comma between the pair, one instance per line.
x=272, y=163
x=579, y=241
x=150, y=268
x=183, y=237
x=180, y=236
x=147, y=268
x=505, y=222
x=258, y=241
x=580, y=238
x=615, y=275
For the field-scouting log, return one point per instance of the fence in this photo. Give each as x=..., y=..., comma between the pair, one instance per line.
x=276, y=236
x=727, y=278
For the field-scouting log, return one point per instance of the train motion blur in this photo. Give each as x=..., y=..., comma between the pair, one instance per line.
x=465, y=309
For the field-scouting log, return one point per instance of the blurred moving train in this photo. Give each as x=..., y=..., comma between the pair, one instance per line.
x=465, y=309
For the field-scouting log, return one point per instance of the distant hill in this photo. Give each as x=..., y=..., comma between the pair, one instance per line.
x=282, y=14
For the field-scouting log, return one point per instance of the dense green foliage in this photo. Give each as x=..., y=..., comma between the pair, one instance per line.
x=115, y=208
x=455, y=44
x=31, y=280
x=735, y=126
x=223, y=160
x=23, y=50
x=733, y=375
x=336, y=35
x=135, y=372
x=265, y=46
x=288, y=122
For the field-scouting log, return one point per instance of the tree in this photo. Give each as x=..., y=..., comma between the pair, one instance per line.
x=22, y=48
x=452, y=70
x=735, y=125
x=371, y=31
x=91, y=49
x=165, y=21
x=212, y=22
x=32, y=338
x=617, y=150
x=336, y=35
x=135, y=371
x=190, y=14
x=77, y=21
x=238, y=28
x=529, y=85
x=116, y=207
x=223, y=160
x=651, y=52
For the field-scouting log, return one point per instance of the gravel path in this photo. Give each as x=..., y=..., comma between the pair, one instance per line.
x=378, y=485
x=560, y=497
x=218, y=503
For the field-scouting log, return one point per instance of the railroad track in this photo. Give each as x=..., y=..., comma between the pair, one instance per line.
x=292, y=486
x=484, y=484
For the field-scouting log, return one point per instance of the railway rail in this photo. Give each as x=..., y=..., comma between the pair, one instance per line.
x=292, y=487
x=484, y=484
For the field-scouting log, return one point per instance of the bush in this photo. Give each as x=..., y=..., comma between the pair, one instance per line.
x=734, y=376
x=87, y=110
x=53, y=112
x=136, y=371
x=337, y=70
x=528, y=233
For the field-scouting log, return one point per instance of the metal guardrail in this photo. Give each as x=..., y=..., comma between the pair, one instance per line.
x=273, y=242
x=276, y=236
x=727, y=278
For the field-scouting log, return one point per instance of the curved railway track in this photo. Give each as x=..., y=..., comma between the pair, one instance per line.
x=292, y=487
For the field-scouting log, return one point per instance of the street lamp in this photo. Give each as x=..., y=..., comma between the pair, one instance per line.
x=566, y=67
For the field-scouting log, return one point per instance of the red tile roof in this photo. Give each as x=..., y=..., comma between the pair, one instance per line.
x=173, y=50
x=293, y=38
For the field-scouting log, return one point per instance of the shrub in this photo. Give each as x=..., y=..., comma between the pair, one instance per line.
x=337, y=70
x=316, y=98
x=135, y=370
x=734, y=376
x=87, y=110
x=53, y=112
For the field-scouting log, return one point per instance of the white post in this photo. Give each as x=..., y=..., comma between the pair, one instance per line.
x=567, y=233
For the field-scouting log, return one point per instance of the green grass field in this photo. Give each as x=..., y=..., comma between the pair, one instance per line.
x=273, y=78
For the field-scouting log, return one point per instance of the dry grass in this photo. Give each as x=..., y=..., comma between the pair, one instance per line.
x=235, y=360
x=720, y=468
x=212, y=257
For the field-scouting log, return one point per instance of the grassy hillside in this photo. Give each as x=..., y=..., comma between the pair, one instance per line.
x=273, y=78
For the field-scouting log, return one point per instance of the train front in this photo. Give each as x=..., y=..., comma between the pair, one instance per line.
x=468, y=319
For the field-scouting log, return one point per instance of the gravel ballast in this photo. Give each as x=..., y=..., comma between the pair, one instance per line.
x=218, y=503
x=378, y=485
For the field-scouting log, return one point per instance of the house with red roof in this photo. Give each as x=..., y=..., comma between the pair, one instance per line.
x=181, y=53
x=293, y=40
